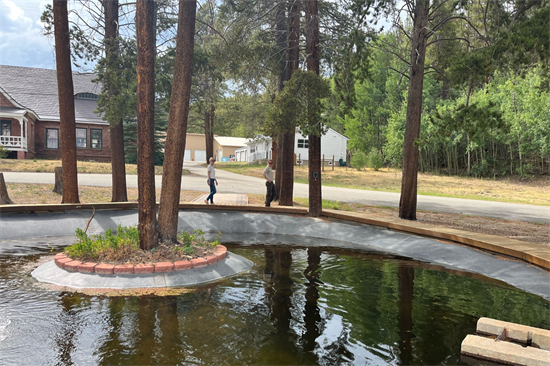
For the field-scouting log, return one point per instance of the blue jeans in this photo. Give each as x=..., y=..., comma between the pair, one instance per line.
x=212, y=191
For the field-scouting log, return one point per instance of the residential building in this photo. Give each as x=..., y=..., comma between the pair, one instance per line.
x=333, y=146
x=29, y=115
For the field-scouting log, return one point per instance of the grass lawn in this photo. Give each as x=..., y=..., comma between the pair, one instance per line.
x=532, y=190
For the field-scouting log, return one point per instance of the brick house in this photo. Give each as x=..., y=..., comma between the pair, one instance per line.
x=29, y=115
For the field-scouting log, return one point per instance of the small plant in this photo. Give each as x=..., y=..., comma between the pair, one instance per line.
x=3, y=152
x=375, y=158
x=197, y=238
x=359, y=160
x=126, y=239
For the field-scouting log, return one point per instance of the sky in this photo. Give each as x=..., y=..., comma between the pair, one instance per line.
x=21, y=39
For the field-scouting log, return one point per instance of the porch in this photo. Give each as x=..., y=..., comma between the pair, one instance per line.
x=13, y=129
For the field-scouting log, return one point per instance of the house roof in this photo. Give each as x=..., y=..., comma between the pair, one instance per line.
x=230, y=141
x=36, y=90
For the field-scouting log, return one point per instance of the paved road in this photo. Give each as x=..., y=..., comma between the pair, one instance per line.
x=234, y=183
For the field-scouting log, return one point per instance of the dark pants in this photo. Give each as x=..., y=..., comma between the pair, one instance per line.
x=270, y=195
x=212, y=191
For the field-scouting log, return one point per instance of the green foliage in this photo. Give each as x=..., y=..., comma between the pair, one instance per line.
x=359, y=160
x=3, y=152
x=375, y=159
x=91, y=248
x=298, y=105
x=195, y=238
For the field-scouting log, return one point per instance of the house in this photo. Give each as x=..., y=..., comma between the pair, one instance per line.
x=224, y=147
x=29, y=115
x=333, y=145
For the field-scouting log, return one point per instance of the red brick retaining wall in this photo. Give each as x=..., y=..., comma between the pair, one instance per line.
x=70, y=265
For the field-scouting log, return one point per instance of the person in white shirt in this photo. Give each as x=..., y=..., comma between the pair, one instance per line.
x=269, y=183
x=211, y=173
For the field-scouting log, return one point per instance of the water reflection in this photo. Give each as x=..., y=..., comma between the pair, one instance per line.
x=295, y=307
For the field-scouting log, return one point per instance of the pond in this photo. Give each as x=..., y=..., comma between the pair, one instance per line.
x=296, y=306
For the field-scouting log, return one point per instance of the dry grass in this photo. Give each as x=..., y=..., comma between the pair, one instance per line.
x=534, y=191
x=26, y=193
x=48, y=166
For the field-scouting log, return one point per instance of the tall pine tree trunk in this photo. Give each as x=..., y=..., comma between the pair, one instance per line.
x=208, y=132
x=287, y=148
x=177, y=122
x=407, y=203
x=145, y=27
x=65, y=90
x=314, y=147
x=118, y=166
x=282, y=40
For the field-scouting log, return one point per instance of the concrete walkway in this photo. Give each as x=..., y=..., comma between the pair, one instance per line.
x=240, y=184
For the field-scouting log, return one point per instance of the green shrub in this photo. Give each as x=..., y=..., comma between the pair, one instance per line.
x=195, y=238
x=91, y=248
x=359, y=160
x=375, y=158
x=3, y=152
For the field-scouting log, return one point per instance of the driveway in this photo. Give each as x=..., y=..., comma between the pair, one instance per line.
x=235, y=183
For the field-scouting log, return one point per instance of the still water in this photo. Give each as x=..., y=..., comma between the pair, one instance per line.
x=309, y=306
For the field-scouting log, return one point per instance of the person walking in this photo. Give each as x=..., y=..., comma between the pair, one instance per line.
x=211, y=173
x=269, y=184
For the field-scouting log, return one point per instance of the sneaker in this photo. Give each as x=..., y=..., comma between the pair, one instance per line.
x=268, y=205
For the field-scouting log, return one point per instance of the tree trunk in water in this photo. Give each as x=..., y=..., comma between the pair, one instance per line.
x=58, y=186
x=407, y=203
x=4, y=197
x=287, y=143
x=314, y=147
x=177, y=123
x=405, y=293
x=147, y=218
x=116, y=131
x=65, y=91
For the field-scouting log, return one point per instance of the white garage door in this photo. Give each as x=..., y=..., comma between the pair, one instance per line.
x=200, y=156
x=187, y=156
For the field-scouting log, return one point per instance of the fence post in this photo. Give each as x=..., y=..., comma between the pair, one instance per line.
x=323, y=165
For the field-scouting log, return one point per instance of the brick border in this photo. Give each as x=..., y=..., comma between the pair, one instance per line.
x=70, y=265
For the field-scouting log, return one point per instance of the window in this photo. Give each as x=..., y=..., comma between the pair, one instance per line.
x=81, y=138
x=5, y=128
x=87, y=96
x=303, y=144
x=52, y=138
x=97, y=138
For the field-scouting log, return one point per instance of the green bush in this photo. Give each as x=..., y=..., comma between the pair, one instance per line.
x=91, y=248
x=195, y=238
x=375, y=158
x=359, y=160
x=3, y=152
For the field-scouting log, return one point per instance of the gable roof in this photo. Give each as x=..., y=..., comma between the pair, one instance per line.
x=230, y=141
x=36, y=90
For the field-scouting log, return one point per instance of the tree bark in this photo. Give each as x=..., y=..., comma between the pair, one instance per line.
x=58, y=186
x=314, y=147
x=282, y=40
x=4, y=196
x=116, y=131
x=177, y=122
x=208, y=132
x=147, y=219
x=65, y=90
x=287, y=143
x=407, y=203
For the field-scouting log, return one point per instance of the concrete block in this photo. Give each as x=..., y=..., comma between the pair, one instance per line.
x=519, y=333
x=504, y=352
